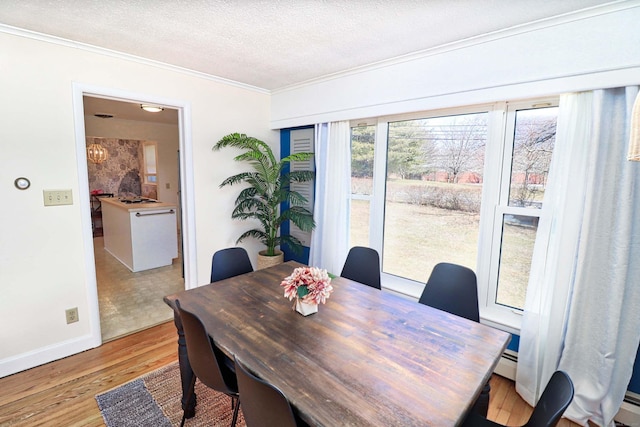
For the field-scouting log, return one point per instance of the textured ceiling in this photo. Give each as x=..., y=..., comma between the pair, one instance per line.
x=273, y=44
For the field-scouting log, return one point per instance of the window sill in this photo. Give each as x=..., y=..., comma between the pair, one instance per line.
x=409, y=289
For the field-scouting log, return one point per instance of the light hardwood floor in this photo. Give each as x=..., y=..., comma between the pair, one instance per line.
x=62, y=393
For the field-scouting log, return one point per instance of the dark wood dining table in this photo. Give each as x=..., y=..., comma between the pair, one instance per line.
x=366, y=358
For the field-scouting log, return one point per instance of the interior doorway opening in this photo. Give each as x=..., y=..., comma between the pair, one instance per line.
x=122, y=301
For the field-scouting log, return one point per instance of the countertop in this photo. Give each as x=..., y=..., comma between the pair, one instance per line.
x=137, y=207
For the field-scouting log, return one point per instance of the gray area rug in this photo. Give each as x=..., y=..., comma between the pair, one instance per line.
x=154, y=400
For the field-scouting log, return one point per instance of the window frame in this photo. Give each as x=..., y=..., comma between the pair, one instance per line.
x=495, y=194
x=497, y=200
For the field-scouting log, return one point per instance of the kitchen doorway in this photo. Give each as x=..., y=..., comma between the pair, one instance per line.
x=126, y=302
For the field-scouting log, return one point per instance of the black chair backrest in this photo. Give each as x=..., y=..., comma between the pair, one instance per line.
x=229, y=262
x=205, y=359
x=363, y=266
x=263, y=405
x=555, y=399
x=454, y=289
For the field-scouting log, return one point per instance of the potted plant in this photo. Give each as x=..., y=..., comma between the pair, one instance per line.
x=267, y=186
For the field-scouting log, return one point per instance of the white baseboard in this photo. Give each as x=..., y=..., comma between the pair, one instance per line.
x=22, y=362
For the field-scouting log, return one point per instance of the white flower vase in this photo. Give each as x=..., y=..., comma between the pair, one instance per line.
x=304, y=308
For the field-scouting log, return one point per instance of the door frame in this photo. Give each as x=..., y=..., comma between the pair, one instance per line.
x=187, y=200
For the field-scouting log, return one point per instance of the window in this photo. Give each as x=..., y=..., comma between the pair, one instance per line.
x=433, y=193
x=362, y=159
x=150, y=159
x=462, y=186
x=530, y=139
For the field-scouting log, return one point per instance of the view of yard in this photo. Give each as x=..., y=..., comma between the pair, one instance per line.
x=418, y=236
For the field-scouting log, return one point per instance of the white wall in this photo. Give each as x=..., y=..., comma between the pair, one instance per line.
x=167, y=137
x=597, y=49
x=42, y=250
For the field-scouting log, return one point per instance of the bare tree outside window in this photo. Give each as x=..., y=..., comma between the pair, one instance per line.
x=460, y=146
x=534, y=139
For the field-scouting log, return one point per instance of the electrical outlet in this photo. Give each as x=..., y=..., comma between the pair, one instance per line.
x=72, y=315
x=57, y=197
x=168, y=185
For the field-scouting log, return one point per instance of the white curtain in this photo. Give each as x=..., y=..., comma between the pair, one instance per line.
x=581, y=312
x=330, y=239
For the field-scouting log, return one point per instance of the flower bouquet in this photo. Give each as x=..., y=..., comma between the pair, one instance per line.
x=309, y=286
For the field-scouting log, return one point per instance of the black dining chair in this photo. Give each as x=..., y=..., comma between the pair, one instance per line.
x=362, y=265
x=229, y=262
x=263, y=404
x=454, y=288
x=207, y=362
x=555, y=399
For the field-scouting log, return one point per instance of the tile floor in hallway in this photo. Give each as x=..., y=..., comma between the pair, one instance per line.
x=128, y=301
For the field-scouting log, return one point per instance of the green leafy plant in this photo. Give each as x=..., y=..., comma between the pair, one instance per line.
x=267, y=186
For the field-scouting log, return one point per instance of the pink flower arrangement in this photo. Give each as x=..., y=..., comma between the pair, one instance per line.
x=311, y=284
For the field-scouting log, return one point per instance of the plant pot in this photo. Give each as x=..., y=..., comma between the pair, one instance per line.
x=265, y=261
x=305, y=309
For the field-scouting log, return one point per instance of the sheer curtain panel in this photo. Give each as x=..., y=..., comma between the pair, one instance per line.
x=330, y=239
x=581, y=311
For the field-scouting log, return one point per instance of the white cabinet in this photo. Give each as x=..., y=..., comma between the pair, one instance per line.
x=141, y=237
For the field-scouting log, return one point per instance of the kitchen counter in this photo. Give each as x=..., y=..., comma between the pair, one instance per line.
x=133, y=205
x=140, y=233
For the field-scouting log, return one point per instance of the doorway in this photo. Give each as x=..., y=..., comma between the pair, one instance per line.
x=125, y=302
x=120, y=132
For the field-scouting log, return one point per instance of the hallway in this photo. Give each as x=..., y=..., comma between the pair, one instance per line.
x=130, y=302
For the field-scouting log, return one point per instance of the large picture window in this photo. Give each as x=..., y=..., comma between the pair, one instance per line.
x=463, y=186
x=433, y=193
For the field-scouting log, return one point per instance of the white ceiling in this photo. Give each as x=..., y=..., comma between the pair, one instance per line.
x=272, y=44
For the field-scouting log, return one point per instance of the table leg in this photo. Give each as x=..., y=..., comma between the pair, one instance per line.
x=186, y=374
x=481, y=407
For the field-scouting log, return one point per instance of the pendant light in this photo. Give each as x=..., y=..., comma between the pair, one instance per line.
x=96, y=153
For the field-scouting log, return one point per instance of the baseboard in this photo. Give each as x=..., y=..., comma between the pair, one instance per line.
x=24, y=361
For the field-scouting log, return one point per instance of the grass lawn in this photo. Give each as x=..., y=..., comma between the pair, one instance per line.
x=417, y=237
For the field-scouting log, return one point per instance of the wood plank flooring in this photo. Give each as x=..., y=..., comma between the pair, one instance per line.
x=62, y=393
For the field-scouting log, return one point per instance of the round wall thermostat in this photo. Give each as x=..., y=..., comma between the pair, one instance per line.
x=22, y=183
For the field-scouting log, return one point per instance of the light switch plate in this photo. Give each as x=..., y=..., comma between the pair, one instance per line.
x=57, y=197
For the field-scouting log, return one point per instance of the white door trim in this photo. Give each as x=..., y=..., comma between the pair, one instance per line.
x=186, y=181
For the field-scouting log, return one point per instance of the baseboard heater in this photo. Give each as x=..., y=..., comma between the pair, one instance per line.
x=628, y=415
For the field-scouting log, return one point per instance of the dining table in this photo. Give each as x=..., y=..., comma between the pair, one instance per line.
x=368, y=357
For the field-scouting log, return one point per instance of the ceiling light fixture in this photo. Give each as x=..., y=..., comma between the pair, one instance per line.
x=96, y=153
x=151, y=108
x=634, y=139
